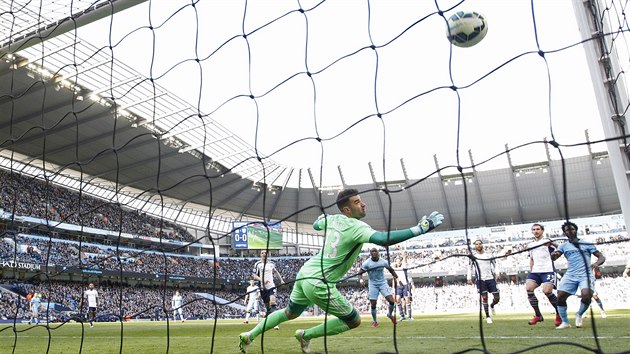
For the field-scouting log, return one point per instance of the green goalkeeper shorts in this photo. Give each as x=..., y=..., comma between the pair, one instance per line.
x=328, y=298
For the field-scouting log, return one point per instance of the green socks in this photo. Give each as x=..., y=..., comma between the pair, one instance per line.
x=333, y=326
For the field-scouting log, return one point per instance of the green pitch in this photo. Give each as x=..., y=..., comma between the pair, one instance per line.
x=426, y=334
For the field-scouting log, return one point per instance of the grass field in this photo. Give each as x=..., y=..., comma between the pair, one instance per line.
x=426, y=334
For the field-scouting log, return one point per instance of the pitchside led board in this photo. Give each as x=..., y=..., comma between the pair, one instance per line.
x=254, y=236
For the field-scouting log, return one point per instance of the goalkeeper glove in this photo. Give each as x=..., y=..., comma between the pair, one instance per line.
x=428, y=223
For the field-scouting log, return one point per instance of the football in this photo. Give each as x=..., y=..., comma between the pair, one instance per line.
x=466, y=28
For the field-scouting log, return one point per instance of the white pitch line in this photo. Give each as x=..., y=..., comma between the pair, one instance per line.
x=491, y=337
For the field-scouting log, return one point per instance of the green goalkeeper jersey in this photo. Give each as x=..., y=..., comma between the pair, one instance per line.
x=344, y=238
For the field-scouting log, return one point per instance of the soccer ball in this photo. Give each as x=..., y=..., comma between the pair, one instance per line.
x=466, y=28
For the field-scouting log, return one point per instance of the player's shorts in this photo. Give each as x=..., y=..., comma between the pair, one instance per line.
x=487, y=286
x=252, y=305
x=375, y=289
x=540, y=278
x=92, y=309
x=265, y=294
x=403, y=290
x=314, y=292
x=571, y=284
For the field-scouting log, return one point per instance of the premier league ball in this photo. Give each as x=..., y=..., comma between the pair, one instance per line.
x=466, y=28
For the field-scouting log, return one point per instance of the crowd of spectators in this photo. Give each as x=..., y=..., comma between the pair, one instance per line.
x=64, y=253
x=115, y=302
x=122, y=302
x=27, y=196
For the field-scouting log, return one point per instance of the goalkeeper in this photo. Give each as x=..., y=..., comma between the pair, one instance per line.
x=316, y=281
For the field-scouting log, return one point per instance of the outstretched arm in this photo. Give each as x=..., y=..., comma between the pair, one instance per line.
x=426, y=224
x=391, y=270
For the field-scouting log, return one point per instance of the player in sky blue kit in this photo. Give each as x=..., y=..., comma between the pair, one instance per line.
x=579, y=274
x=377, y=284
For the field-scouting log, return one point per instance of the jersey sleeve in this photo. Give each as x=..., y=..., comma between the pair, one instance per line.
x=364, y=265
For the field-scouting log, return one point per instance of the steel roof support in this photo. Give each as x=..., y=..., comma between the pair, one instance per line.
x=447, y=213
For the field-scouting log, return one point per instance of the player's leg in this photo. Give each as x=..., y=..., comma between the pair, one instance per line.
x=273, y=304
x=483, y=293
x=290, y=312
x=346, y=316
x=391, y=307
x=387, y=293
x=265, y=296
x=373, y=293
x=329, y=299
x=399, y=301
x=248, y=311
x=531, y=284
x=297, y=304
x=484, y=303
x=599, y=303
x=273, y=301
x=408, y=301
x=566, y=287
x=491, y=287
x=549, y=285
x=373, y=312
x=257, y=311
x=547, y=288
x=403, y=301
x=91, y=316
x=496, y=295
x=585, y=302
x=548, y=291
x=586, y=295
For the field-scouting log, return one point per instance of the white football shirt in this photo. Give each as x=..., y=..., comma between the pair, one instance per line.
x=541, y=256
x=487, y=267
x=92, y=296
x=265, y=272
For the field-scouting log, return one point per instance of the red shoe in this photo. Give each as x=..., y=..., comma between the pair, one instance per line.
x=374, y=324
x=393, y=318
x=535, y=320
x=558, y=320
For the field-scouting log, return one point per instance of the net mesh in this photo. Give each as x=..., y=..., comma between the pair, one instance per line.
x=248, y=88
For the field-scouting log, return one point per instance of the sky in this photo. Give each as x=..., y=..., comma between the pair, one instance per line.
x=528, y=99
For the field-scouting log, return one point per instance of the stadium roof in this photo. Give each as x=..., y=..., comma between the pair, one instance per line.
x=70, y=108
